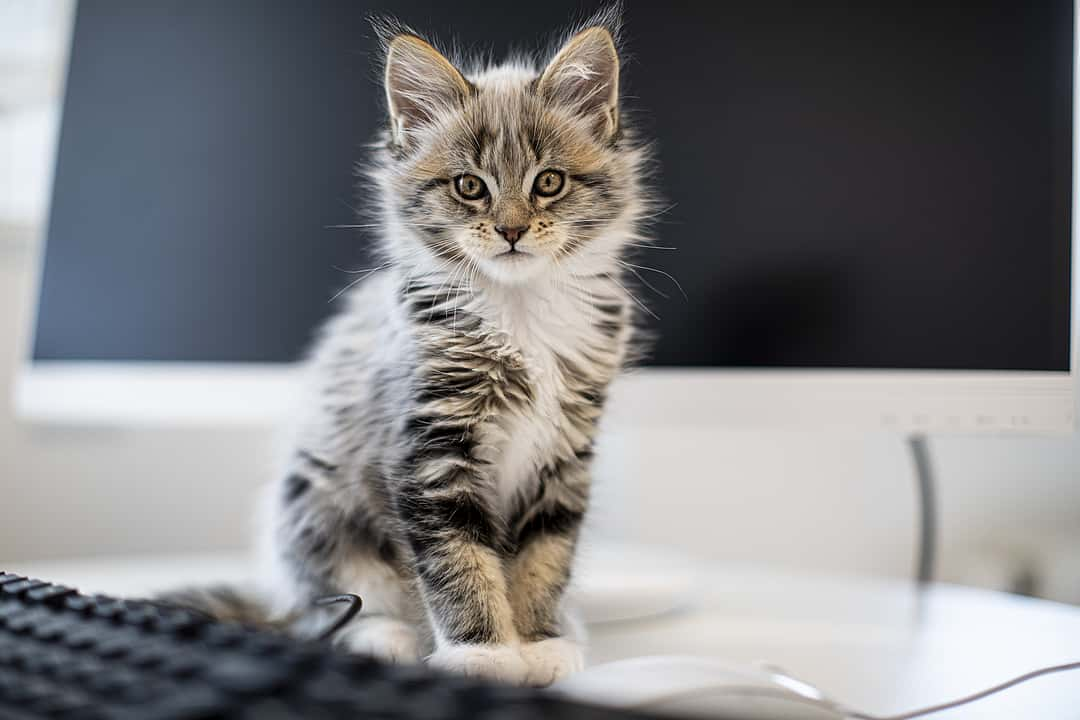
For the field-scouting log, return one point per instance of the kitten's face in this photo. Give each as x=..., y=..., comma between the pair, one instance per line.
x=508, y=174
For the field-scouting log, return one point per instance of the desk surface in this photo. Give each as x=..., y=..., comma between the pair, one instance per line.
x=880, y=646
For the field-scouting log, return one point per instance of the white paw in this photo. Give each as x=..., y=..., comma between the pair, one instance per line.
x=497, y=662
x=384, y=638
x=551, y=660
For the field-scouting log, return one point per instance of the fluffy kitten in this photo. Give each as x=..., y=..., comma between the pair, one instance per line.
x=441, y=469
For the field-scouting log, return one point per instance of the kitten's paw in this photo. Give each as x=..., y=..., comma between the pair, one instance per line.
x=497, y=662
x=384, y=638
x=552, y=659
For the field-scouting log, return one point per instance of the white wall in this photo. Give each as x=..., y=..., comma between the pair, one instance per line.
x=841, y=503
x=846, y=503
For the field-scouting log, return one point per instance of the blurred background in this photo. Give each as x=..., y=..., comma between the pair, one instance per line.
x=837, y=502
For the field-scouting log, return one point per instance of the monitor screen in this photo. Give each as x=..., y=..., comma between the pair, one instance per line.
x=854, y=184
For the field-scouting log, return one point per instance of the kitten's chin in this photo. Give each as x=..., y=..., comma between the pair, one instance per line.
x=513, y=268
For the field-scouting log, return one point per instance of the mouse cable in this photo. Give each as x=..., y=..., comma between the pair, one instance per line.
x=813, y=697
x=970, y=698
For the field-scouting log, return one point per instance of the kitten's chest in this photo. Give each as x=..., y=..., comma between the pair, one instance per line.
x=550, y=340
x=527, y=439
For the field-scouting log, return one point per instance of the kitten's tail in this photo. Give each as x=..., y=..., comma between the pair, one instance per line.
x=225, y=603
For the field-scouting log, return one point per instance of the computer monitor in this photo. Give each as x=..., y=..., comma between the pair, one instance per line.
x=873, y=205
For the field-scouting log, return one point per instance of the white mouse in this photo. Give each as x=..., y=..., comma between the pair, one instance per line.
x=699, y=687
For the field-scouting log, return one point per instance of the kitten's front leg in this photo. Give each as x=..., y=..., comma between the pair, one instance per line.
x=459, y=546
x=546, y=539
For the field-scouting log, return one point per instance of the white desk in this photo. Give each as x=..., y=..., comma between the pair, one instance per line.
x=878, y=646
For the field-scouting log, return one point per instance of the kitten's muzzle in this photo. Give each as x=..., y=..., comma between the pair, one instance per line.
x=511, y=234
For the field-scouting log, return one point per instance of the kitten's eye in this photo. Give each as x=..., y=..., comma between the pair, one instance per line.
x=470, y=187
x=548, y=183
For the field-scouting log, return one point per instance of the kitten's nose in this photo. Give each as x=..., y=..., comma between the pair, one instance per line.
x=511, y=234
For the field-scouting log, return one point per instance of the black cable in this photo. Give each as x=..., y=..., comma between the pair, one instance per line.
x=355, y=603
x=926, y=554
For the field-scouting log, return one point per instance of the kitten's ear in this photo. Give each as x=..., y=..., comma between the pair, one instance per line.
x=585, y=75
x=420, y=84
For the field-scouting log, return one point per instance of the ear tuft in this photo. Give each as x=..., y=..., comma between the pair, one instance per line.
x=420, y=84
x=585, y=75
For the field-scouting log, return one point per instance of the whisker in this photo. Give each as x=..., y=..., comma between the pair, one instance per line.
x=365, y=274
x=373, y=226
x=351, y=207
x=658, y=213
x=650, y=247
x=669, y=276
x=645, y=282
x=361, y=270
x=584, y=222
x=351, y=227
x=631, y=296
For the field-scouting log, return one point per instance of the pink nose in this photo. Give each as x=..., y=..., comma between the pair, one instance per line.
x=511, y=234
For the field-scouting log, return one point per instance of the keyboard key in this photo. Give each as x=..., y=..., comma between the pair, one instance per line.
x=7, y=654
x=53, y=662
x=15, y=692
x=65, y=704
x=27, y=621
x=34, y=662
x=180, y=622
x=38, y=692
x=224, y=636
x=51, y=630
x=146, y=691
x=20, y=587
x=148, y=655
x=140, y=616
x=82, y=638
x=116, y=681
x=266, y=644
x=108, y=609
x=84, y=670
x=196, y=702
x=246, y=676
x=50, y=594
x=115, y=647
x=330, y=688
x=8, y=610
x=181, y=665
x=79, y=604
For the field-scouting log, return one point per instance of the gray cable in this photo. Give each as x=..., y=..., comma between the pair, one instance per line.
x=926, y=554
x=974, y=696
x=828, y=704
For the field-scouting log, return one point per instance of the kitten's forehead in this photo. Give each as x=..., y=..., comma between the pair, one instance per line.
x=501, y=125
x=507, y=129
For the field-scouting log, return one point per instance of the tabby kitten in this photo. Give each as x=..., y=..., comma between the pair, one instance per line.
x=441, y=470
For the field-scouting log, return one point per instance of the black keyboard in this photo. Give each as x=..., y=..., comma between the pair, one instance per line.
x=67, y=655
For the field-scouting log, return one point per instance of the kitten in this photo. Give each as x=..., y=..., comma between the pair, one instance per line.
x=441, y=469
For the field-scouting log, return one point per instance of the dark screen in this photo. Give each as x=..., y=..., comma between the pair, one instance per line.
x=862, y=184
